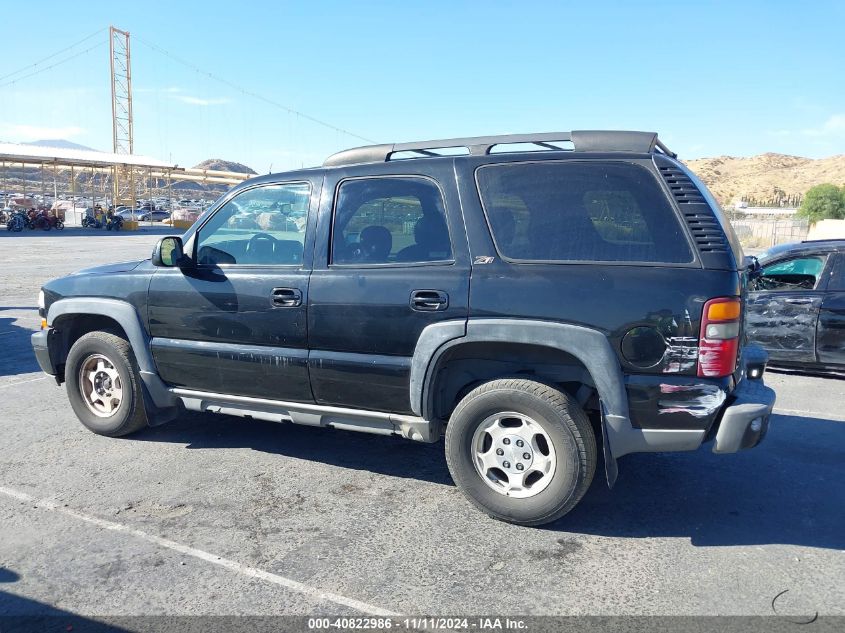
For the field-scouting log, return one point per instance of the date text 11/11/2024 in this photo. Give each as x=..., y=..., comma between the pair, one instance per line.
x=418, y=623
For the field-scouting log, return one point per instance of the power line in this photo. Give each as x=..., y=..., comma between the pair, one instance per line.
x=59, y=63
x=44, y=59
x=250, y=93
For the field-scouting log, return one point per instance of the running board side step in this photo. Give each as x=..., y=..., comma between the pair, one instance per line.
x=408, y=426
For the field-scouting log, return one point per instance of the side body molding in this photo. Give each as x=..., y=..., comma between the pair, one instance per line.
x=128, y=318
x=589, y=346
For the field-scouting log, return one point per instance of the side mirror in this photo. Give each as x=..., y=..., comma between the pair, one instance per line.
x=752, y=267
x=168, y=253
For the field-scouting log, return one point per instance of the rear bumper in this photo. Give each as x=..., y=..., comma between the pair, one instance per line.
x=685, y=412
x=41, y=347
x=745, y=421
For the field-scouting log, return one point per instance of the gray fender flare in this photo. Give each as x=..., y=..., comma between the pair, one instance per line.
x=127, y=316
x=589, y=346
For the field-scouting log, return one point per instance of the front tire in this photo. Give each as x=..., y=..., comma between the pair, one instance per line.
x=103, y=385
x=521, y=451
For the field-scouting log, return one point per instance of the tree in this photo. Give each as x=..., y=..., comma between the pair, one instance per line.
x=822, y=202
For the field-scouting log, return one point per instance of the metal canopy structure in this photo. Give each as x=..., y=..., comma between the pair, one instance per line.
x=100, y=166
x=36, y=154
x=20, y=154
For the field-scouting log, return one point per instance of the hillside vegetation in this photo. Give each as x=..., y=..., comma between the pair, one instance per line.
x=760, y=177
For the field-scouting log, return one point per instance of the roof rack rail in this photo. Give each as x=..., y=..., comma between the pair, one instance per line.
x=581, y=140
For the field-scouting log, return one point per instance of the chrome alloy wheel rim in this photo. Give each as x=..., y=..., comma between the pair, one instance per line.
x=513, y=455
x=100, y=384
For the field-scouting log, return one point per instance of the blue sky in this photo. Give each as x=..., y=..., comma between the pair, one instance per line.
x=712, y=78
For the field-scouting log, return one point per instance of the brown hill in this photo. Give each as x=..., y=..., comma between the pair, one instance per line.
x=730, y=177
x=224, y=165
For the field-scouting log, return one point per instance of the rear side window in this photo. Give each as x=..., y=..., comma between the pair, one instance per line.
x=393, y=220
x=578, y=211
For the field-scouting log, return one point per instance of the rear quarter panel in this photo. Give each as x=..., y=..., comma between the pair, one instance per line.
x=612, y=298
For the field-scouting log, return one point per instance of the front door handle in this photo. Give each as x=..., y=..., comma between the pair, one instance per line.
x=286, y=297
x=429, y=300
x=799, y=301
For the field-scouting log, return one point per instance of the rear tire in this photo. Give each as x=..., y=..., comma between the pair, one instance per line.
x=104, y=386
x=534, y=484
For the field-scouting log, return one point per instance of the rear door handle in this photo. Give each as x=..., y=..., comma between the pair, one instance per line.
x=286, y=297
x=798, y=301
x=429, y=300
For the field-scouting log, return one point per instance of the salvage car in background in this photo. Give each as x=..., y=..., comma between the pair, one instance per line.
x=796, y=307
x=153, y=216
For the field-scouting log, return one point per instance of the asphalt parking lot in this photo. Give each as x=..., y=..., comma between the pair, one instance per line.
x=215, y=515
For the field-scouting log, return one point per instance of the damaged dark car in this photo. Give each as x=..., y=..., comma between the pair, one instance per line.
x=796, y=305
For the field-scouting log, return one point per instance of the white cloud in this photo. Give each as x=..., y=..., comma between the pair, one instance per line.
x=834, y=126
x=38, y=132
x=199, y=101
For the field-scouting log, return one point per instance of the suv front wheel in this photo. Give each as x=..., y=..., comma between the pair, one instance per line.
x=520, y=450
x=103, y=385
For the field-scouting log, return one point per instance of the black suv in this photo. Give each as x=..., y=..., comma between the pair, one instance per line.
x=541, y=297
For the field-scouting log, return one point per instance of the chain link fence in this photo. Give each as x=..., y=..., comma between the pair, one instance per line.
x=756, y=231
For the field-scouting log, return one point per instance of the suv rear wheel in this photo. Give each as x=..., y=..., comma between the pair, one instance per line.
x=103, y=385
x=520, y=450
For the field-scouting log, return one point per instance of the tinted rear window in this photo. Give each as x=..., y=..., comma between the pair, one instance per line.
x=579, y=211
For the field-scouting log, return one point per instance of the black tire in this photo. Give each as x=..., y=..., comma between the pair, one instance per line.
x=129, y=416
x=562, y=420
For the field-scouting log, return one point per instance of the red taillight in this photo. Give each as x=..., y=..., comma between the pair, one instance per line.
x=718, y=341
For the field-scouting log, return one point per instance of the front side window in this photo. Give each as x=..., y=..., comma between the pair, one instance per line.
x=798, y=273
x=389, y=221
x=263, y=226
x=577, y=211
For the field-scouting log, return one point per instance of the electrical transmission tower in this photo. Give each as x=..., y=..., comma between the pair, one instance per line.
x=123, y=176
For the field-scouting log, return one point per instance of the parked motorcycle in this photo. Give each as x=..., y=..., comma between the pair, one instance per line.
x=16, y=222
x=114, y=223
x=41, y=222
x=89, y=222
x=36, y=220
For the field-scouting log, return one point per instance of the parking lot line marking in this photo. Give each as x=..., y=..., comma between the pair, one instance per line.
x=245, y=570
x=22, y=382
x=812, y=414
